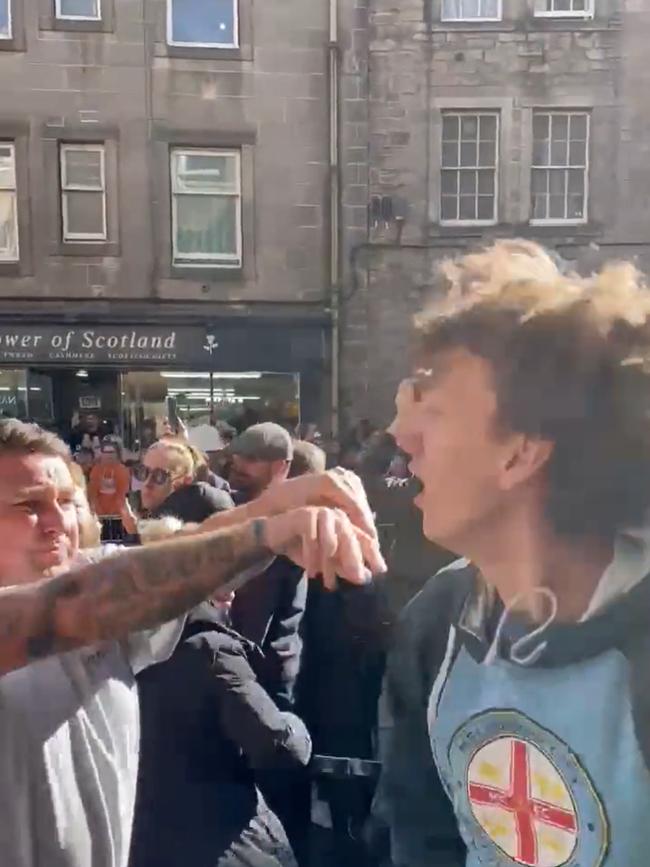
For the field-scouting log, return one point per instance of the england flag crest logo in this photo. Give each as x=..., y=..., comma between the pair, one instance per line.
x=526, y=798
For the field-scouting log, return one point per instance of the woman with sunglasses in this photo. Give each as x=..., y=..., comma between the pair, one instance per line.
x=170, y=489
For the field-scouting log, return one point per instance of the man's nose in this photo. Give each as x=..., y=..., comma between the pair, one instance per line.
x=52, y=519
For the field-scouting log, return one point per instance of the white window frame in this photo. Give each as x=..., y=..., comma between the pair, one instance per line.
x=477, y=18
x=228, y=45
x=60, y=15
x=72, y=188
x=14, y=189
x=206, y=260
x=585, y=14
x=564, y=221
x=471, y=113
x=10, y=30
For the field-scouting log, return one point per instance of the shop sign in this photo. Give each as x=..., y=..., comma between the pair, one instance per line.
x=230, y=346
x=101, y=344
x=90, y=402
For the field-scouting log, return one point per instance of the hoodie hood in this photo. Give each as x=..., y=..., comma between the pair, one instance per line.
x=630, y=564
x=618, y=613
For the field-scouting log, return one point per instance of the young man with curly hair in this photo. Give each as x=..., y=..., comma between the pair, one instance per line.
x=517, y=726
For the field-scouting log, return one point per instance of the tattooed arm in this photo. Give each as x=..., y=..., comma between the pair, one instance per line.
x=147, y=586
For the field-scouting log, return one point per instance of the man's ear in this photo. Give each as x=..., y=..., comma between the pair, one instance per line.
x=526, y=457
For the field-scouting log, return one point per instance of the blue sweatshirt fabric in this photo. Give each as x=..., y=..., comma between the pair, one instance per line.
x=501, y=764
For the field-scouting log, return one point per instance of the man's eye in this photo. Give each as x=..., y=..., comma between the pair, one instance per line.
x=27, y=506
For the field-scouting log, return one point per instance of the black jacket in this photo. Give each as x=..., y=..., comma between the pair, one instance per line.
x=268, y=610
x=206, y=724
x=194, y=503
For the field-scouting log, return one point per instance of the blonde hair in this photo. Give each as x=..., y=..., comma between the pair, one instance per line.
x=90, y=528
x=571, y=363
x=182, y=460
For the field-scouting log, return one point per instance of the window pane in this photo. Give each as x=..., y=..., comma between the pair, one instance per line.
x=539, y=181
x=7, y=168
x=557, y=182
x=559, y=127
x=448, y=210
x=488, y=128
x=559, y=153
x=485, y=208
x=82, y=168
x=85, y=214
x=487, y=153
x=541, y=126
x=468, y=154
x=469, y=128
x=576, y=205
x=5, y=26
x=490, y=8
x=79, y=8
x=486, y=183
x=576, y=182
x=578, y=153
x=541, y=153
x=556, y=208
x=206, y=226
x=450, y=127
x=449, y=183
x=203, y=22
x=468, y=183
x=540, y=207
x=579, y=126
x=8, y=227
x=450, y=154
x=467, y=210
x=209, y=172
x=451, y=8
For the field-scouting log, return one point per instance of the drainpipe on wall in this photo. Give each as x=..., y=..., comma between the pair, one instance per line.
x=335, y=193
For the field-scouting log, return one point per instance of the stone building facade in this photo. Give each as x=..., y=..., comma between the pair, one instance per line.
x=407, y=72
x=116, y=78
x=344, y=212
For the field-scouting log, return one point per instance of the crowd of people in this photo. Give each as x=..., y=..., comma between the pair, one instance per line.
x=272, y=664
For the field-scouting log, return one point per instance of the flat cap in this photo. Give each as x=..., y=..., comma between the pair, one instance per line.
x=264, y=442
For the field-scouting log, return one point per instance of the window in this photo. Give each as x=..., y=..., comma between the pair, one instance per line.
x=206, y=23
x=79, y=10
x=565, y=8
x=471, y=10
x=83, y=192
x=8, y=204
x=206, y=208
x=560, y=166
x=5, y=19
x=468, y=183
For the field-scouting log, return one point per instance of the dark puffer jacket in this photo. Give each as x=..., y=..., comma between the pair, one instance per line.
x=206, y=724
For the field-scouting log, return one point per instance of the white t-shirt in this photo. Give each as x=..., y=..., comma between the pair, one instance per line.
x=69, y=744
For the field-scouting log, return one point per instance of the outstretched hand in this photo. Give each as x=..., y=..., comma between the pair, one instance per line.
x=325, y=542
x=337, y=489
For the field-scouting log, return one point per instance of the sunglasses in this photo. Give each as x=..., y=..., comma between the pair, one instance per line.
x=157, y=476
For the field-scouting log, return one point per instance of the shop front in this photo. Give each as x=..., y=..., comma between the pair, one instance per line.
x=130, y=375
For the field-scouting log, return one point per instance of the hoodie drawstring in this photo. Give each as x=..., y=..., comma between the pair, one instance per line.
x=516, y=654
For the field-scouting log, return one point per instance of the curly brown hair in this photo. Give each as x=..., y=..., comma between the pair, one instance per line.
x=571, y=359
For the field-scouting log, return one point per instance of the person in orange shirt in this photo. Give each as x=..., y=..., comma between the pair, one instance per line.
x=108, y=487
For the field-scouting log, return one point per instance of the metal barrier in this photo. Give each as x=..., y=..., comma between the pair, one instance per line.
x=112, y=529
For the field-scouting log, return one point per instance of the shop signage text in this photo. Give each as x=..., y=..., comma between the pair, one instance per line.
x=99, y=345
x=228, y=346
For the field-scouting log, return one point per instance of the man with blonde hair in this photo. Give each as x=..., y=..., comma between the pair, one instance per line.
x=517, y=710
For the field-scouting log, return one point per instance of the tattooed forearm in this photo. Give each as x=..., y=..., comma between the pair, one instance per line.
x=134, y=590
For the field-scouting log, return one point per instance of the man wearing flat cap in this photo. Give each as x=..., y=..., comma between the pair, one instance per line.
x=261, y=455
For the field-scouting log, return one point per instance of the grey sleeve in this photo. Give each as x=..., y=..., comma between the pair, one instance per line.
x=151, y=646
x=410, y=799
